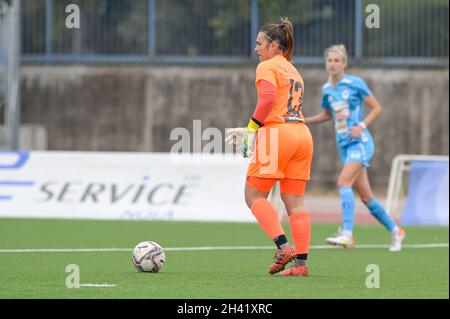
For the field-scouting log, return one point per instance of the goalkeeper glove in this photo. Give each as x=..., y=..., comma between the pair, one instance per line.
x=244, y=137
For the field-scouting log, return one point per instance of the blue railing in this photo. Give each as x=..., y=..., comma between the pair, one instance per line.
x=224, y=31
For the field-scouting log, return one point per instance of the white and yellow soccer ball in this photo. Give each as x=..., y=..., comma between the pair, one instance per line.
x=148, y=256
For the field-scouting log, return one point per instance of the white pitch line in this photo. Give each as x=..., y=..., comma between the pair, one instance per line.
x=82, y=250
x=434, y=245
x=98, y=285
x=63, y=250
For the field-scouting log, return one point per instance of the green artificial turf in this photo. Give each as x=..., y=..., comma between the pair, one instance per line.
x=230, y=273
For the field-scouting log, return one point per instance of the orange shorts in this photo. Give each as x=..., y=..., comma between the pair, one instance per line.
x=287, y=185
x=283, y=150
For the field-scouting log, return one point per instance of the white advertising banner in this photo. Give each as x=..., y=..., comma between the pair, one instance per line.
x=149, y=186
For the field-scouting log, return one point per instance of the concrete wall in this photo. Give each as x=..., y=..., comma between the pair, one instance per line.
x=135, y=108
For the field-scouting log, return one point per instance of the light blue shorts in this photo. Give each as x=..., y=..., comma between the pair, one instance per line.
x=357, y=152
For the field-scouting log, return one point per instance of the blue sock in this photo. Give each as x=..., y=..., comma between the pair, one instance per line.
x=348, y=207
x=378, y=211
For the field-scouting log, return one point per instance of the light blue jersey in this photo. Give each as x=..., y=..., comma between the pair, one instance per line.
x=345, y=101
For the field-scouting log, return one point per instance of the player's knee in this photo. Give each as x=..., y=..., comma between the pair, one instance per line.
x=365, y=198
x=341, y=183
x=250, y=200
x=292, y=208
x=301, y=212
x=290, y=203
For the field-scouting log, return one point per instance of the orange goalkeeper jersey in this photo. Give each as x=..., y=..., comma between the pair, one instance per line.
x=289, y=87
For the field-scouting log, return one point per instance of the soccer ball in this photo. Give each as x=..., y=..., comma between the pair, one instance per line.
x=148, y=256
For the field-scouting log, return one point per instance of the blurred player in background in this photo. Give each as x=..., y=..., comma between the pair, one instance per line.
x=278, y=125
x=343, y=99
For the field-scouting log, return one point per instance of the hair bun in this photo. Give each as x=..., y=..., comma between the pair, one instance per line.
x=285, y=24
x=342, y=47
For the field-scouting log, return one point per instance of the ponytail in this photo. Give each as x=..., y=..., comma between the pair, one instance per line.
x=283, y=34
x=287, y=27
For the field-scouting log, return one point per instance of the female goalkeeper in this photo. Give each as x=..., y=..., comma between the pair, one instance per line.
x=343, y=99
x=280, y=147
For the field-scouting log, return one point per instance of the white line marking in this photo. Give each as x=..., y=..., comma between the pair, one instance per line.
x=98, y=285
x=89, y=250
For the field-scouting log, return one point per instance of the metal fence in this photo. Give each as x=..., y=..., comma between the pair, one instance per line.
x=224, y=31
x=9, y=73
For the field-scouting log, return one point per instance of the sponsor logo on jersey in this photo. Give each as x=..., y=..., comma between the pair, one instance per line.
x=355, y=154
x=345, y=94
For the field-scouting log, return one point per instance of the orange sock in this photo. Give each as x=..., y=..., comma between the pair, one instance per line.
x=267, y=218
x=301, y=231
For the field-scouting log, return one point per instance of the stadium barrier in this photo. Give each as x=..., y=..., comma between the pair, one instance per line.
x=133, y=186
